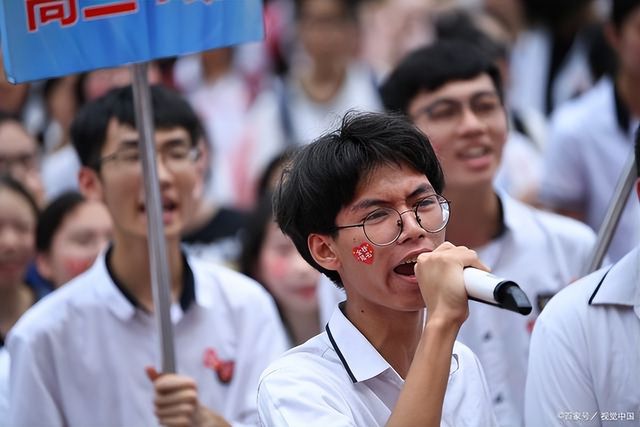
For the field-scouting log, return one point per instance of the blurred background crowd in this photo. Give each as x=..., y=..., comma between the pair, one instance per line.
x=258, y=102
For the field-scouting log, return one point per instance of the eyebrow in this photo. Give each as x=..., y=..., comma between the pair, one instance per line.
x=473, y=96
x=422, y=189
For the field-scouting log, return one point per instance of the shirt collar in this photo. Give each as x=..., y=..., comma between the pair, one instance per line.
x=621, y=286
x=124, y=303
x=360, y=359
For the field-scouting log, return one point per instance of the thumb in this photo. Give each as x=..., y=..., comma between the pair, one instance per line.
x=152, y=374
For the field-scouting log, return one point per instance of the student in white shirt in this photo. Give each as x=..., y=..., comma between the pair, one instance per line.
x=86, y=355
x=591, y=138
x=585, y=349
x=453, y=93
x=363, y=205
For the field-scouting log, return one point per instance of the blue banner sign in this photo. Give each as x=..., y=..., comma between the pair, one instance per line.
x=48, y=38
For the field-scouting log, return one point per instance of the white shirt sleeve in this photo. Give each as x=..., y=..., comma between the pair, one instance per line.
x=32, y=385
x=559, y=386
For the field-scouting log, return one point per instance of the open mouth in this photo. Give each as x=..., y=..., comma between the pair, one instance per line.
x=406, y=268
x=475, y=152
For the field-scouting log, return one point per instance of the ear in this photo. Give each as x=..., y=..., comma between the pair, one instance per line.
x=90, y=184
x=44, y=266
x=321, y=248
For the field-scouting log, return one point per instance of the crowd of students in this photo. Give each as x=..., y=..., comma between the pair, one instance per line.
x=318, y=193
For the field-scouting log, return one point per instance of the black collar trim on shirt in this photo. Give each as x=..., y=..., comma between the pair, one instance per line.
x=598, y=287
x=339, y=353
x=187, y=296
x=502, y=226
x=623, y=117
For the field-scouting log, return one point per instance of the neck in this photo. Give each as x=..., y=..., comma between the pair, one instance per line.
x=394, y=335
x=475, y=217
x=130, y=264
x=303, y=325
x=323, y=81
x=629, y=91
x=14, y=301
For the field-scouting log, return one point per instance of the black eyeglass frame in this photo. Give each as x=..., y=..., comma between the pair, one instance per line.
x=441, y=201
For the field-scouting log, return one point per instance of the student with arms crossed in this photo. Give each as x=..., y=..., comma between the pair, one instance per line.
x=85, y=355
x=363, y=206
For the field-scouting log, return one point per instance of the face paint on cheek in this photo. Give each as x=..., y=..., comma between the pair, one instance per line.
x=363, y=253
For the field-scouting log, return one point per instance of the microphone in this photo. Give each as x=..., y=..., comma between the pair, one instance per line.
x=484, y=287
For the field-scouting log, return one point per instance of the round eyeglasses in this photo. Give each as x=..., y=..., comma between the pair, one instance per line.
x=383, y=226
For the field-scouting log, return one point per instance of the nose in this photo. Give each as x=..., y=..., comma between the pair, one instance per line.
x=411, y=228
x=470, y=122
x=164, y=174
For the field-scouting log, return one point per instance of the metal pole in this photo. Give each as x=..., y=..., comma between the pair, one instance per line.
x=158, y=265
x=619, y=200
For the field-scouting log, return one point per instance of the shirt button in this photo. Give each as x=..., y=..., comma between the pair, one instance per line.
x=498, y=399
x=487, y=336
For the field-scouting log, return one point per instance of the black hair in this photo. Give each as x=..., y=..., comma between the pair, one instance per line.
x=271, y=171
x=89, y=128
x=638, y=152
x=621, y=10
x=349, y=7
x=428, y=68
x=323, y=177
x=9, y=117
x=53, y=216
x=6, y=181
x=458, y=24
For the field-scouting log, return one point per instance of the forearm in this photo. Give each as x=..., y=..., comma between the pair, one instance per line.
x=421, y=400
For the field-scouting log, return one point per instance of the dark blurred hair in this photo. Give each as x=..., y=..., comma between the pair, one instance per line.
x=6, y=181
x=254, y=235
x=323, y=176
x=457, y=24
x=428, y=68
x=89, y=128
x=53, y=216
x=349, y=7
x=273, y=170
x=621, y=10
x=638, y=152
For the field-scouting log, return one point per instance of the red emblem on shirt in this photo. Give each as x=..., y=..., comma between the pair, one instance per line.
x=223, y=368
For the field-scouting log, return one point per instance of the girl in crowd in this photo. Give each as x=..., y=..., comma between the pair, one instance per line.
x=71, y=232
x=271, y=258
x=18, y=217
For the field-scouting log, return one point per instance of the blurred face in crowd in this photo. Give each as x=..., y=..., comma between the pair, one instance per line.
x=120, y=184
x=626, y=42
x=19, y=157
x=326, y=31
x=17, y=237
x=287, y=276
x=82, y=234
x=467, y=126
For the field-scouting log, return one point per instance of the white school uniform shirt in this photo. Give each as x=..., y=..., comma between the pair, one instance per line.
x=585, y=352
x=590, y=140
x=78, y=357
x=338, y=378
x=542, y=252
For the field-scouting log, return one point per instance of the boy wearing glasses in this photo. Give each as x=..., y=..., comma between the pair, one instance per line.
x=363, y=205
x=85, y=356
x=453, y=93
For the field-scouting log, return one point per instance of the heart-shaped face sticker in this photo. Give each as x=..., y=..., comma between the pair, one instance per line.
x=363, y=253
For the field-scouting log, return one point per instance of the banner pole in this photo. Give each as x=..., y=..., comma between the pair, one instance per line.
x=160, y=278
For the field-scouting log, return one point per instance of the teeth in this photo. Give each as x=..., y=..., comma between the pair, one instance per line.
x=409, y=261
x=475, y=152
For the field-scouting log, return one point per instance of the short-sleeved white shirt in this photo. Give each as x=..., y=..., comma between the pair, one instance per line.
x=583, y=161
x=78, y=357
x=339, y=379
x=542, y=252
x=584, y=366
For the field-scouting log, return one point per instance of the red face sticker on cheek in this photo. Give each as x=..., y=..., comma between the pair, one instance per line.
x=363, y=253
